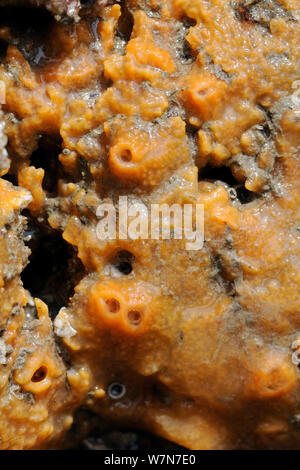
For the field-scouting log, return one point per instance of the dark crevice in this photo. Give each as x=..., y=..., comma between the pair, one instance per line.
x=53, y=268
x=90, y=432
x=125, y=23
x=28, y=29
x=245, y=196
x=187, y=55
x=105, y=435
x=224, y=175
x=3, y=48
x=94, y=28
x=188, y=22
x=84, y=170
x=192, y=139
x=183, y=48
x=228, y=270
x=107, y=83
x=191, y=130
x=267, y=130
x=11, y=178
x=46, y=157
x=25, y=19
x=268, y=126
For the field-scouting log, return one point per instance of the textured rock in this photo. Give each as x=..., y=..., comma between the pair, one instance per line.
x=172, y=102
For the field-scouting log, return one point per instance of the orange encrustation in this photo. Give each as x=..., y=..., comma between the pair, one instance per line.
x=173, y=102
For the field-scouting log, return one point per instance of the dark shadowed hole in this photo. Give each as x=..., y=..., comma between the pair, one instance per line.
x=161, y=393
x=267, y=131
x=3, y=47
x=222, y=173
x=84, y=170
x=187, y=55
x=28, y=27
x=102, y=434
x=123, y=262
x=113, y=305
x=134, y=317
x=188, y=22
x=11, y=178
x=191, y=130
x=23, y=19
x=225, y=175
x=125, y=22
x=53, y=268
x=125, y=267
x=128, y=439
x=126, y=155
x=94, y=28
x=116, y=390
x=46, y=157
x=39, y=374
x=244, y=195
